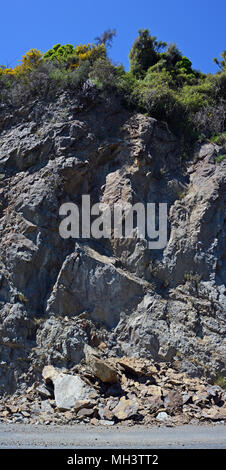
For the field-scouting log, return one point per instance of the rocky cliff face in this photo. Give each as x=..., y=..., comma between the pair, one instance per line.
x=57, y=295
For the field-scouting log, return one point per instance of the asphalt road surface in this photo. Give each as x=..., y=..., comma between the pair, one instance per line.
x=19, y=436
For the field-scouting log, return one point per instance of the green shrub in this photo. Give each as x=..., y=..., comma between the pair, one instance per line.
x=103, y=73
x=59, y=53
x=220, y=158
x=184, y=66
x=220, y=81
x=73, y=57
x=127, y=86
x=195, y=97
x=155, y=77
x=64, y=78
x=192, y=277
x=161, y=101
x=172, y=56
x=79, y=75
x=219, y=139
x=221, y=381
x=181, y=195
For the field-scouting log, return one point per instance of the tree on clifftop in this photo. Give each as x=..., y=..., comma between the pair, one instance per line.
x=144, y=53
x=106, y=38
x=221, y=63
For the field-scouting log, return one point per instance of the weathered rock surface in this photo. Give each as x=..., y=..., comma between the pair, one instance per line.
x=57, y=295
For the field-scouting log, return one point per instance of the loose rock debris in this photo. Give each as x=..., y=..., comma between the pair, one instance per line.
x=139, y=391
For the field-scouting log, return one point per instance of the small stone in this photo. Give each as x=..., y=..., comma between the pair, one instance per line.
x=102, y=346
x=214, y=390
x=25, y=414
x=49, y=373
x=154, y=404
x=93, y=394
x=162, y=416
x=82, y=404
x=32, y=388
x=23, y=407
x=46, y=407
x=24, y=400
x=186, y=397
x=12, y=408
x=85, y=412
x=216, y=394
x=20, y=420
x=106, y=422
x=136, y=366
x=94, y=421
x=35, y=408
x=44, y=391
x=180, y=419
x=105, y=413
x=173, y=400
x=131, y=396
x=69, y=415
x=154, y=390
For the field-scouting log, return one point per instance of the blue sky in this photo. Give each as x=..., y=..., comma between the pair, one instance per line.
x=196, y=26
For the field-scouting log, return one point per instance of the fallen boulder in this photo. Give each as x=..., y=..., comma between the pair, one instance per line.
x=137, y=366
x=68, y=389
x=100, y=368
x=125, y=409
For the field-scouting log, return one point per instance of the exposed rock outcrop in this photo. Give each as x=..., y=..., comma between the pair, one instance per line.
x=57, y=295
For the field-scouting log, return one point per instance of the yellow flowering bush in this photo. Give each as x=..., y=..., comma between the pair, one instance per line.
x=31, y=60
x=71, y=56
x=87, y=52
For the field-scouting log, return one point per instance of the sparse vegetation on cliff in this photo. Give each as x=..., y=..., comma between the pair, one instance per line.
x=161, y=81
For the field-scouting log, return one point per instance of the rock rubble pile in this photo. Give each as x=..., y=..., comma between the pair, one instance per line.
x=116, y=391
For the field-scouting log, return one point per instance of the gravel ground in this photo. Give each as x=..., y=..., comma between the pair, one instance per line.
x=19, y=436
